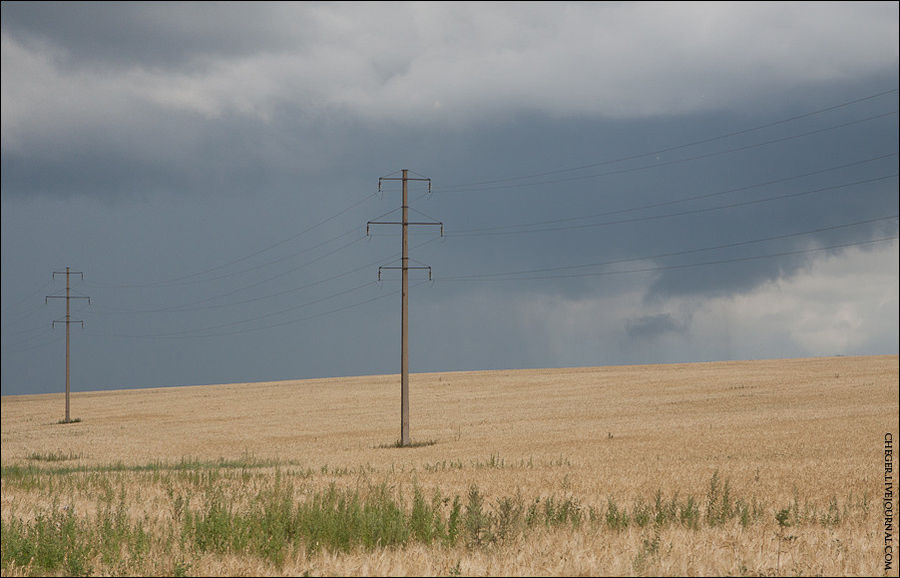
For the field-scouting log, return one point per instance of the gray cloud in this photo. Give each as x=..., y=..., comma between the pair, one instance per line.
x=146, y=142
x=437, y=64
x=157, y=35
x=651, y=327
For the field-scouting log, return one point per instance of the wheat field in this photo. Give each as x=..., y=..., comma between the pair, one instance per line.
x=770, y=467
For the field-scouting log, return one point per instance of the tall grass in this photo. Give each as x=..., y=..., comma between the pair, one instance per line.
x=275, y=520
x=61, y=540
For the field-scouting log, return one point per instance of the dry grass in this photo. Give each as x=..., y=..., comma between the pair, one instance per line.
x=807, y=432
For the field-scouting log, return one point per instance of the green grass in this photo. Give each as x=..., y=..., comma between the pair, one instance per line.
x=72, y=420
x=14, y=473
x=54, y=457
x=400, y=444
x=61, y=540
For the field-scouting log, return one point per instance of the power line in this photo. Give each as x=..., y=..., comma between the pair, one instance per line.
x=35, y=307
x=675, y=147
x=183, y=279
x=684, y=160
x=273, y=325
x=673, y=201
x=13, y=304
x=514, y=275
x=27, y=344
x=703, y=264
x=482, y=277
x=680, y=213
x=225, y=329
x=193, y=306
x=197, y=305
x=21, y=332
x=289, y=256
x=202, y=332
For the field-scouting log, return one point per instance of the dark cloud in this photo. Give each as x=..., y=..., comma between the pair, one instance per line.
x=154, y=34
x=652, y=327
x=198, y=162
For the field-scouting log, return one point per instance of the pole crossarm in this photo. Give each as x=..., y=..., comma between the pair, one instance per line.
x=405, y=269
x=405, y=179
x=48, y=297
x=64, y=297
x=66, y=321
x=436, y=223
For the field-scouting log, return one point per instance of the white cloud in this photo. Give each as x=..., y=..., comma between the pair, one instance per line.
x=619, y=60
x=43, y=100
x=840, y=304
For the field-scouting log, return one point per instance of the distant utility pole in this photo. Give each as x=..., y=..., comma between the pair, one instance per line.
x=68, y=321
x=404, y=284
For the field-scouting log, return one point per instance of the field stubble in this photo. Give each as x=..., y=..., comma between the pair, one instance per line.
x=624, y=469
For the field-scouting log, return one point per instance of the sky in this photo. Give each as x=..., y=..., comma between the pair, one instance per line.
x=619, y=183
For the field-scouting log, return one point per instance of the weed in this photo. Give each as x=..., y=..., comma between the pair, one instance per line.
x=649, y=551
x=719, y=507
x=400, y=444
x=615, y=519
x=54, y=542
x=54, y=457
x=689, y=514
x=422, y=518
x=641, y=514
x=562, y=512
x=783, y=517
x=453, y=522
x=833, y=516
x=477, y=521
x=180, y=568
x=510, y=514
x=211, y=511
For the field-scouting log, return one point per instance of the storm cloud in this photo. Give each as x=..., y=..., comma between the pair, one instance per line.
x=619, y=183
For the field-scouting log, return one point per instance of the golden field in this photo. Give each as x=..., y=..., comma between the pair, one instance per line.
x=804, y=436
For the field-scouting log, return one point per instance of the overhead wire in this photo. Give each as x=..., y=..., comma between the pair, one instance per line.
x=717, y=262
x=13, y=304
x=194, y=304
x=205, y=332
x=682, y=213
x=27, y=343
x=682, y=160
x=515, y=275
x=201, y=332
x=673, y=201
x=319, y=315
x=284, y=257
x=459, y=188
x=678, y=146
x=184, y=278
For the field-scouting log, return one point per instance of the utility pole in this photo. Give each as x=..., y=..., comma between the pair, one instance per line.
x=68, y=321
x=404, y=290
